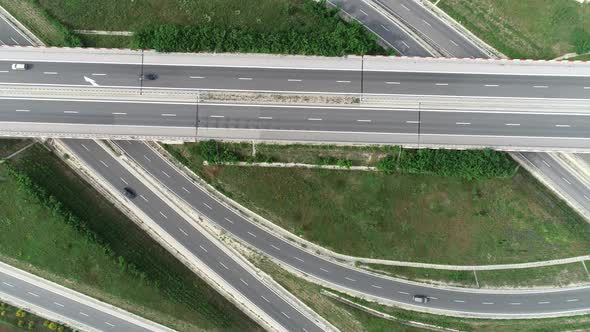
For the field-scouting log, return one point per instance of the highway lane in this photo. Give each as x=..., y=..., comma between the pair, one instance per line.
x=297, y=118
x=464, y=301
x=10, y=35
x=90, y=316
x=298, y=80
x=199, y=245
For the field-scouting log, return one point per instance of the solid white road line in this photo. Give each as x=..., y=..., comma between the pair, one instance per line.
x=231, y=222
x=163, y=215
x=84, y=146
x=168, y=114
x=183, y=188
x=165, y=173
x=251, y=234
x=33, y=294
x=58, y=304
x=183, y=232
x=376, y=286
x=202, y=248
x=207, y=206
x=105, y=165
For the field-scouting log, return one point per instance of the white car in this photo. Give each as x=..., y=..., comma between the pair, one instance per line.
x=20, y=66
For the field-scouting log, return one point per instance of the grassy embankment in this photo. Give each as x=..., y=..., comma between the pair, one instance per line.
x=538, y=29
x=20, y=320
x=413, y=217
x=59, y=227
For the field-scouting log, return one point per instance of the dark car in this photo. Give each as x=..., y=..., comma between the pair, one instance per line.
x=148, y=77
x=421, y=298
x=129, y=192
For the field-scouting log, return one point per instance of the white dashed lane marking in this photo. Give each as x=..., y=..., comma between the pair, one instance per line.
x=33, y=294
x=58, y=304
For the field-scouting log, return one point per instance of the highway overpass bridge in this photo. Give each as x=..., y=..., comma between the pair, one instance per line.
x=426, y=102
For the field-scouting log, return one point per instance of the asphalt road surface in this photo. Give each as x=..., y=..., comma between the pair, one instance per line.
x=294, y=80
x=199, y=245
x=465, y=301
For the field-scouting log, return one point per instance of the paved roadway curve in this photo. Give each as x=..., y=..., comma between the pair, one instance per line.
x=299, y=80
x=199, y=245
x=460, y=301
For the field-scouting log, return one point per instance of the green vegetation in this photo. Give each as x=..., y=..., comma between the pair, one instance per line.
x=540, y=29
x=401, y=216
x=41, y=23
x=585, y=57
x=264, y=26
x=26, y=321
x=548, y=276
x=9, y=146
x=105, y=41
x=55, y=225
x=468, y=164
x=347, y=318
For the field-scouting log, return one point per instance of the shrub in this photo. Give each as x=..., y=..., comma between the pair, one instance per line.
x=216, y=153
x=581, y=41
x=336, y=37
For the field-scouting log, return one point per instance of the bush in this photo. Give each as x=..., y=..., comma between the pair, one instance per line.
x=581, y=41
x=336, y=37
x=468, y=164
x=70, y=39
x=216, y=153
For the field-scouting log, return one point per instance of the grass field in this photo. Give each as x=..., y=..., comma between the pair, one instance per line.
x=540, y=29
x=351, y=319
x=9, y=146
x=407, y=217
x=582, y=57
x=123, y=266
x=549, y=276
